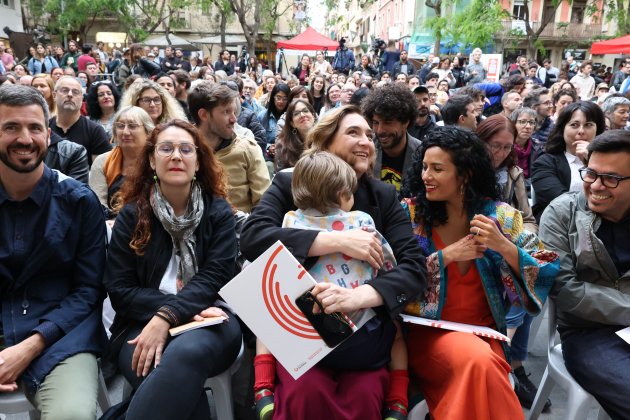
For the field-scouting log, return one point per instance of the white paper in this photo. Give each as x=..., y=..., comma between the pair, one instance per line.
x=263, y=295
x=624, y=334
x=456, y=326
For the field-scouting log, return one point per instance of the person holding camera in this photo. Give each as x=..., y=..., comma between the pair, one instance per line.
x=343, y=61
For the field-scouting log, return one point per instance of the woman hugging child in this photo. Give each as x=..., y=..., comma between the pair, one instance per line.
x=322, y=187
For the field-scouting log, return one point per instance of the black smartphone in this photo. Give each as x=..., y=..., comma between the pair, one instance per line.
x=332, y=328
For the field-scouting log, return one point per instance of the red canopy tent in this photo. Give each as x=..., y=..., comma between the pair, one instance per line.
x=612, y=46
x=310, y=39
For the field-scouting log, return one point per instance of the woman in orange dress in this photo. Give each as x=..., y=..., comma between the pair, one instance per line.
x=479, y=259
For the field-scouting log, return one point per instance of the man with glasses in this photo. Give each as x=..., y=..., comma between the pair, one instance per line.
x=71, y=125
x=540, y=101
x=52, y=259
x=249, y=100
x=590, y=232
x=346, y=93
x=214, y=108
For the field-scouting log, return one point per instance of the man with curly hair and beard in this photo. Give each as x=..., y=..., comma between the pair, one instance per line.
x=390, y=111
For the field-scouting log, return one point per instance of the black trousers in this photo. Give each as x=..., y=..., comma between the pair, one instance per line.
x=174, y=390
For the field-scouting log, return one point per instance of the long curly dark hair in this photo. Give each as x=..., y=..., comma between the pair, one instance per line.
x=137, y=188
x=468, y=154
x=94, y=109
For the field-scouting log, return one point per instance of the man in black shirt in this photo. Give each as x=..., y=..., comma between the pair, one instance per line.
x=390, y=110
x=71, y=125
x=224, y=63
x=423, y=123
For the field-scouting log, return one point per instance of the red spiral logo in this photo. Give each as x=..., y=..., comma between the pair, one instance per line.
x=280, y=306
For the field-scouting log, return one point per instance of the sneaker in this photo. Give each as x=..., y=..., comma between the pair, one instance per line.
x=264, y=405
x=525, y=390
x=395, y=412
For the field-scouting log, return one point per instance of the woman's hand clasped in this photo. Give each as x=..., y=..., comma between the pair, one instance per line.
x=149, y=346
x=466, y=249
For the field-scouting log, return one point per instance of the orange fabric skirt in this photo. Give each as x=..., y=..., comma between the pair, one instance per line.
x=462, y=376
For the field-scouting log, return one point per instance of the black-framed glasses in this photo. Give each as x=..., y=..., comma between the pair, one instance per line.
x=148, y=101
x=167, y=148
x=611, y=181
x=301, y=112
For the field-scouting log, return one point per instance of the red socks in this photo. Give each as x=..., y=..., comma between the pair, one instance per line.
x=264, y=372
x=398, y=384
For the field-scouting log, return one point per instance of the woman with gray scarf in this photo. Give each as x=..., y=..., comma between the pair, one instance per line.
x=173, y=247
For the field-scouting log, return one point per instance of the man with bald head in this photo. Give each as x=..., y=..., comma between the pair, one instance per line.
x=71, y=125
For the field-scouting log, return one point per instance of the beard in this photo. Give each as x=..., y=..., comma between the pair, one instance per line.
x=24, y=166
x=392, y=141
x=423, y=112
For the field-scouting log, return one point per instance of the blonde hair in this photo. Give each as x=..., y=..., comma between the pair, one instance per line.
x=134, y=113
x=52, y=104
x=322, y=134
x=309, y=192
x=171, y=109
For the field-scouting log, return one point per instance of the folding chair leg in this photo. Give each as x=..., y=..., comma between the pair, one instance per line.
x=578, y=405
x=102, y=396
x=544, y=390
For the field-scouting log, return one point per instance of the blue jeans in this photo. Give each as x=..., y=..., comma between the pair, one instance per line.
x=599, y=360
x=518, y=318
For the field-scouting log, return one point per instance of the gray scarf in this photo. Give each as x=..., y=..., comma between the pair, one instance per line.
x=181, y=228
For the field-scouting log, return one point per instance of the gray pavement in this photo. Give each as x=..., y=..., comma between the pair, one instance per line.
x=535, y=364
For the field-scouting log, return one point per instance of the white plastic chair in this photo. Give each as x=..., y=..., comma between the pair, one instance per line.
x=221, y=386
x=579, y=401
x=16, y=402
x=419, y=411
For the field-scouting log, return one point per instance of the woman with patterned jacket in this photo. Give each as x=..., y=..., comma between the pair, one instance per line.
x=479, y=259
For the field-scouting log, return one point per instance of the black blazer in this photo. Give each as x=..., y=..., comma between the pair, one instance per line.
x=551, y=177
x=132, y=281
x=378, y=199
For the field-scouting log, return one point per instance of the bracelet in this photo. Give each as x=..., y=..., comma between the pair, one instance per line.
x=164, y=317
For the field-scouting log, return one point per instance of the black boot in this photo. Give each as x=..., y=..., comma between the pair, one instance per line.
x=525, y=390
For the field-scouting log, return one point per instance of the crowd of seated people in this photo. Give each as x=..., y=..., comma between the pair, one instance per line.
x=146, y=178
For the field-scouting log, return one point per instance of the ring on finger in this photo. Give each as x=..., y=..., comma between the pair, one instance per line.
x=478, y=231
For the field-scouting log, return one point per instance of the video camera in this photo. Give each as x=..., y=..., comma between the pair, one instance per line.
x=378, y=45
x=342, y=44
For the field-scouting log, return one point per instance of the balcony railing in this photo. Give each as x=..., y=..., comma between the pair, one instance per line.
x=553, y=31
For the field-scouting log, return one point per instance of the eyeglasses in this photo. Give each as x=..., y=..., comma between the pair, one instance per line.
x=249, y=88
x=546, y=103
x=166, y=149
x=531, y=123
x=611, y=181
x=280, y=98
x=304, y=111
x=148, y=101
x=103, y=94
x=131, y=126
x=497, y=147
x=67, y=90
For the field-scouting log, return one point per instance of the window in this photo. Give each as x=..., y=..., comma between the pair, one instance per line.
x=7, y=3
x=578, y=11
x=518, y=11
